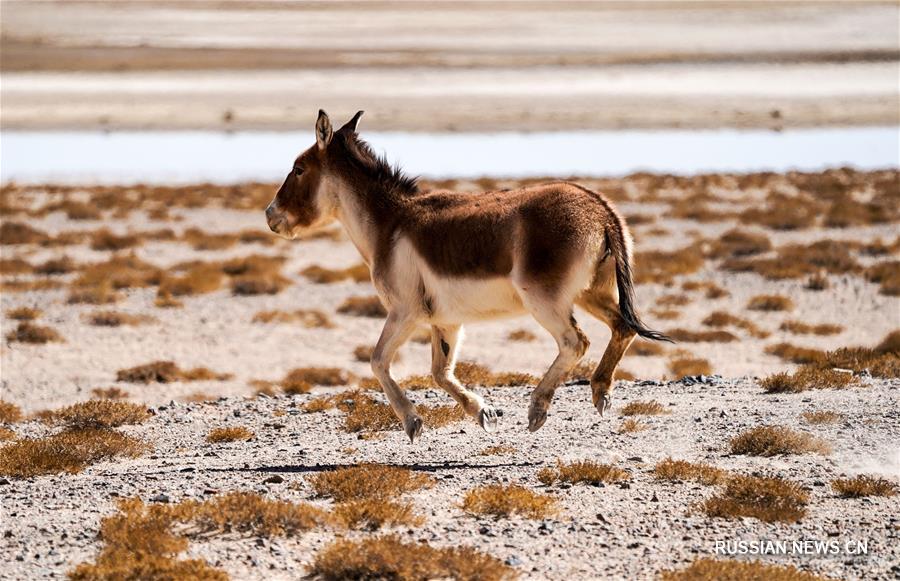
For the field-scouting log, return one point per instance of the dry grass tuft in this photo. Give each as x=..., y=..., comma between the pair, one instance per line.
x=116, y=319
x=688, y=336
x=10, y=413
x=14, y=233
x=373, y=513
x=523, y=335
x=368, y=481
x=363, y=353
x=104, y=239
x=311, y=319
x=586, y=472
x=817, y=282
x=797, y=261
x=644, y=348
x=365, y=414
x=68, y=451
x=767, y=499
x=767, y=441
x=801, y=328
x=102, y=294
x=321, y=275
x=739, y=243
x=363, y=307
x=784, y=212
x=56, y=266
x=472, y=373
x=807, y=377
x=198, y=279
x=886, y=274
x=498, y=451
x=15, y=266
x=770, y=303
x=707, y=569
x=644, y=408
x=820, y=417
x=662, y=267
x=688, y=366
x=6, y=434
x=441, y=415
x=231, y=434
x=30, y=333
x=500, y=500
x=864, y=485
x=388, y=557
x=167, y=372
x=23, y=314
x=97, y=413
x=328, y=376
x=109, y=393
x=248, y=512
x=200, y=240
x=631, y=425
x=681, y=470
x=720, y=319
x=795, y=354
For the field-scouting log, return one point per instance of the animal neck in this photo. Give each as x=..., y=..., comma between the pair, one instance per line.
x=365, y=210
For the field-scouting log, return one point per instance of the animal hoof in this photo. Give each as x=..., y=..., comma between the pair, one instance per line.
x=413, y=428
x=603, y=404
x=487, y=417
x=536, y=418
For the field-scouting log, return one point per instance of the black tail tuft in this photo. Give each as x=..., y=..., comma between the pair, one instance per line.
x=616, y=245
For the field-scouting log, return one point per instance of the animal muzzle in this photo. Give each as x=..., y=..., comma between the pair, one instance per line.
x=274, y=218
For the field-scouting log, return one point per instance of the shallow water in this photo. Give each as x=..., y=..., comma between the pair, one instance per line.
x=178, y=156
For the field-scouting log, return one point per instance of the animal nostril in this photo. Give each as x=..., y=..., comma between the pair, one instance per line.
x=269, y=212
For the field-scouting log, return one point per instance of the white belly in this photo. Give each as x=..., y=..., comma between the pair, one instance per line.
x=462, y=300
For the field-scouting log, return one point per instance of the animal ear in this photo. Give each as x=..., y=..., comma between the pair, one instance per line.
x=324, y=132
x=353, y=123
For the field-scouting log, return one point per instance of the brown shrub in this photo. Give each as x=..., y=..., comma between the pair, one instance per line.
x=631, y=425
x=643, y=348
x=500, y=500
x=68, y=451
x=644, y=408
x=706, y=569
x=373, y=513
x=472, y=373
x=24, y=286
x=770, y=303
x=688, y=366
x=13, y=233
x=365, y=414
x=822, y=417
x=673, y=300
x=104, y=239
x=328, y=376
x=102, y=294
x=807, y=377
x=199, y=279
x=15, y=266
x=783, y=213
x=441, y=415
x=116, y=319
x=738, y=243
x=30, y=333
x=794, y=354
x=166, y=372
x=583, y=472
x=97, y=413
x=662, y=267
x=127, y=271
x=321, y=275
x=368, y=481
x=363, y=353
x=768, y=441
x=863, y=485
x=369, y=306
x=688, y=336
x=23, y=314
x=801, y=328
x=230, y=434
x=259, y=283
x=665, y=314
x=767, y=499
x=817, y=282
x=523, y=335
x=497, y=451
x=720, y=319
x=681, y=470
x=56, y=266
x=10, y=413
x=388, y=557
x=201, y=240
x=887, y=274
x=796, y=261
x=109, y=393
x=884, y=364
x=306, y=317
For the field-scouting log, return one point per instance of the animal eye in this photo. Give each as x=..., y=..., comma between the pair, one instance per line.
x=298, y=171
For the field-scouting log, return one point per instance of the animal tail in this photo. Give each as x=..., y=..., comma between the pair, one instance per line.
x=617, y=245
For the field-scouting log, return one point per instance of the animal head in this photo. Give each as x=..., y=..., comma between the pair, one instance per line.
x=308, y=197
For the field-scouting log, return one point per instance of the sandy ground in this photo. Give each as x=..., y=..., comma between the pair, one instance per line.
x=448, y=66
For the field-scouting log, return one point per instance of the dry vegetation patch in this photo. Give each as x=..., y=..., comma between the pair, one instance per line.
x=500, y=450
x=801, y=328
x=770, y=441
x=167, y=372
x=249, y=513
x=707, y=569
x=68, y=451
x=15, y=233
x=738, y=243
x=327, y=376
x=116, y=319
x=229, y=434
x=644, y=408
x=807, y=377
x=6, y=434
x=501, y=500
x=682, y=470
x=97, y=413
x=368, y=481
x=864, y=485
x=688, y=336
x=644, y=348
x=819, y=417
x=886, y=274
x=373, y=513
x=684, y=366
x=109, y=393
x=795, y=354
x=783, y=212
x=631, y=425
x=582, y=472
x=369, y=306
x=321, y=275
x=23, y=314
x=199, y=279
x=523, y=335
x=719, y=319
x=309, y=318
x=36, y=334
x=770, y=303
x=388, y=557
x=56, y=266
x=767, y=499
x=10, y=413
x=662, y=267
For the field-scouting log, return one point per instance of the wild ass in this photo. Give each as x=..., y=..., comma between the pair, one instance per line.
x=446, y=258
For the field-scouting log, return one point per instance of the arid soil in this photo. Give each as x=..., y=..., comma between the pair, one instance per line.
x=753, y=274
x=449, y=66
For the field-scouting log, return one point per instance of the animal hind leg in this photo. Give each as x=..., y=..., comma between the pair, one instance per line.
x=445, y=342
x=606, y=308
x=572, y=343
x=397, y=330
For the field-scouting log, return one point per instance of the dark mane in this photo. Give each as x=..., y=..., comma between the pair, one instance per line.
x=360, y=155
